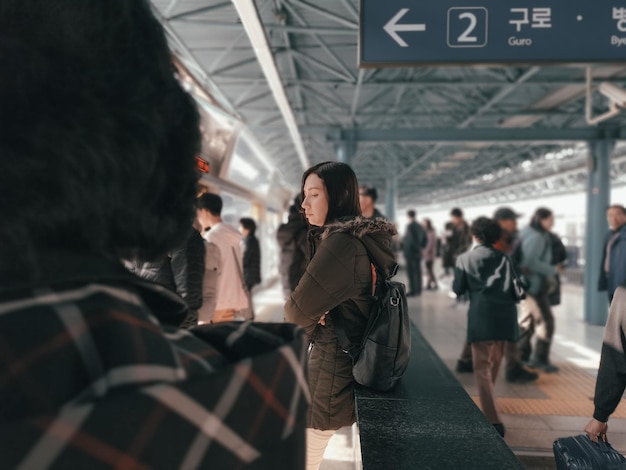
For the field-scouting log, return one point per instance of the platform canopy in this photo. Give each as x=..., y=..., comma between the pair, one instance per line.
x=450, y=133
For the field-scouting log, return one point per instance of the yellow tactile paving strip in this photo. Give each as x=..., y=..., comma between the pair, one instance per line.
x=567, y=393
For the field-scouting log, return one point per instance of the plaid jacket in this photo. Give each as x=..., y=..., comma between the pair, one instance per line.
x=90, y=378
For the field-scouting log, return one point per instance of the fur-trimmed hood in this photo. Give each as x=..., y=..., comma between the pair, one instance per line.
x=376, y=235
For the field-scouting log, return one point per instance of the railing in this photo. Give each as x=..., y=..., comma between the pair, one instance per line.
x=427, y=422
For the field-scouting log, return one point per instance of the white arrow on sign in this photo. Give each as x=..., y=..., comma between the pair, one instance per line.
x=392, y=27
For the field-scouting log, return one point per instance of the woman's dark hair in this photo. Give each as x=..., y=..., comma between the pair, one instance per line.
x=342, y=188
x=540, y=214
x=486, y=230
x=97, y=137
x=428, y=225
x=249, y=224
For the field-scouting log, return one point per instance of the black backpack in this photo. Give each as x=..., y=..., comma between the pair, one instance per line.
x=383, y=355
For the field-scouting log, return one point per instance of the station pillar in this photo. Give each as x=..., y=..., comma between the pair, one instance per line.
x=598, y=195
x=391, y=197
x=345, y=150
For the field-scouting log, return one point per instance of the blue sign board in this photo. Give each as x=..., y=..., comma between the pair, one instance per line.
x=410, y=32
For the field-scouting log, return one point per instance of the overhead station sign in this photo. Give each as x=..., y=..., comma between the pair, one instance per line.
x=409, y=32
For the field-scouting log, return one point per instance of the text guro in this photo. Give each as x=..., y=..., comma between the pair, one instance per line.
x=617, y=41
x=513, y=41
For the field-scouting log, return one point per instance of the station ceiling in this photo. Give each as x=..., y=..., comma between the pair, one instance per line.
x=451, y=135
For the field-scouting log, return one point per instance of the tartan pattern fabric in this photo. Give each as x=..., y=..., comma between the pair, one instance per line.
x=89, y=378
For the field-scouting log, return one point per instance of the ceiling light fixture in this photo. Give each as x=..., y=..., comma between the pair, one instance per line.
x=256, y=34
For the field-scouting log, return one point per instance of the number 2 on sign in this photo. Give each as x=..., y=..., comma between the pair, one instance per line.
x=467, y=27
x=465, y=37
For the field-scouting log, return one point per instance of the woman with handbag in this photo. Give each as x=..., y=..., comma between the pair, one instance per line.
x=337, y=282
x=487, y=275
x=541, y=277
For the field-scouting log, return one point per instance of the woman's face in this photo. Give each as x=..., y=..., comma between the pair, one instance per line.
x=315, y=203
x=547, y=223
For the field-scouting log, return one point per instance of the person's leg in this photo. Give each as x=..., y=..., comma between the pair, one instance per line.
x=484, y=355
x=545, y=332
x=514, y=369
x=316, y=443
x=464, y=363
x=412, y=274
x=431, y=283
x=418, y=275
x=528, y=312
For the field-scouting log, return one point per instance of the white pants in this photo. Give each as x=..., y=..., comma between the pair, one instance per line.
x=316, y=442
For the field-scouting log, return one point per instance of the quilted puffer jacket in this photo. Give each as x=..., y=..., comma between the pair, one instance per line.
x=338, y=280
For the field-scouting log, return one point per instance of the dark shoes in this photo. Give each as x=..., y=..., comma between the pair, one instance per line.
x=545, y=366
x=500, y=428
x=463, y=367
x=520, y=375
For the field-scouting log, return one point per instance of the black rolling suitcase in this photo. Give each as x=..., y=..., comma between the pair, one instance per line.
x=580, y=453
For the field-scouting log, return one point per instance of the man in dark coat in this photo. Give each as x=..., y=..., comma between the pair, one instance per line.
x=180, y=271
x=251, y=253
x=412, y=244
x=294, y=248
x=367, y=199
x=613, y=266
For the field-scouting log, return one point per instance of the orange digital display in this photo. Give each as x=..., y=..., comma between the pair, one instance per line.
x=203, y=165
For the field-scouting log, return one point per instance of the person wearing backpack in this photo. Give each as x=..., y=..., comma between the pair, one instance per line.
x=337, y=282
x=487, y=275
x=509, y=244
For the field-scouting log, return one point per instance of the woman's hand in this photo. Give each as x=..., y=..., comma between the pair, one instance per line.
x=596, y=428
x=322, y=320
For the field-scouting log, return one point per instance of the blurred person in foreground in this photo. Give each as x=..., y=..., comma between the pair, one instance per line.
x=97, y=147
x=611, y=379
x=486, y=274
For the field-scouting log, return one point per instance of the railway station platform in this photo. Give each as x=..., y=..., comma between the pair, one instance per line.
x=534, y=414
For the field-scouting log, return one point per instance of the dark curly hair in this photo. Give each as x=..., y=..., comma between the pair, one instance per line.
x=342, y=187
x=97, y=137
x=486, y=230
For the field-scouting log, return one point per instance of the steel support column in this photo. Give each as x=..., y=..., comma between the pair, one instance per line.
x=598, y=195
x=391, y=198
x=345, y=150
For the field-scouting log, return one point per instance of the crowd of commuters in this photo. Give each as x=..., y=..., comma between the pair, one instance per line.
x=114, y=271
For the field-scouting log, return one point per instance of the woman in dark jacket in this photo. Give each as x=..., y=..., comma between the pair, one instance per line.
x=251, y=253
x=337, y=281
x=487, y=275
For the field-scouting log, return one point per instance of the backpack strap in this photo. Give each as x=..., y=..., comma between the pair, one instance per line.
x=353, y=350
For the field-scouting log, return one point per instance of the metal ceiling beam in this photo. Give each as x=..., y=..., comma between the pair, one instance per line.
x=200, y=10
x=504, y=92
x=432, y=83
x=454, y=135
x=323, y=66
x=321, y=42
x=327, y=14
